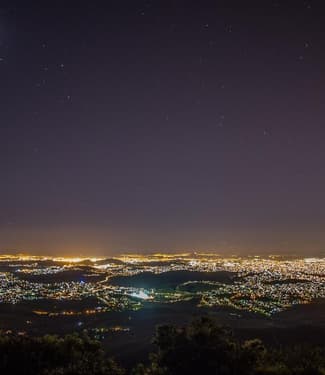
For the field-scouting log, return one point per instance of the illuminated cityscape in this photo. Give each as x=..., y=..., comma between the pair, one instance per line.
x=259, y=285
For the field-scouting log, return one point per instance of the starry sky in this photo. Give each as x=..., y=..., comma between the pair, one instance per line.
x=162, y=126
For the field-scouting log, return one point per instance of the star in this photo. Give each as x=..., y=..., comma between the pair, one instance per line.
x=266, y=133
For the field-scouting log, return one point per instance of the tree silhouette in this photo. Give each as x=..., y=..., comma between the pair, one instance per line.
x=51, y=355
x=204, y=347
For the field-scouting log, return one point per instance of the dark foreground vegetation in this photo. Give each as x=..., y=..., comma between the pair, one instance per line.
x=203, y=347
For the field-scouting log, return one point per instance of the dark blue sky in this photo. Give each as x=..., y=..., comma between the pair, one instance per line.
x=162, y=125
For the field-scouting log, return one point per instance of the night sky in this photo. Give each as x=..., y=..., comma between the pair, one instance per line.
x=162, y=126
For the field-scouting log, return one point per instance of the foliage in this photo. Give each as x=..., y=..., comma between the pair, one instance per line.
x=51, y=355
x=202, y=347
